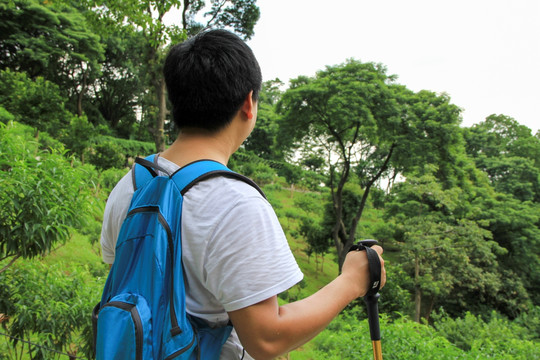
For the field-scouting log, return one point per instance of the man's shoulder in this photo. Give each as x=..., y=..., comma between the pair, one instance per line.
x=226, y=187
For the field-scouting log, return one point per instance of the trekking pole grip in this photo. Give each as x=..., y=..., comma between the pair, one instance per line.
x=372, y=296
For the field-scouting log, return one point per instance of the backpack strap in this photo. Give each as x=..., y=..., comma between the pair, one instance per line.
x=186, y=177
x=144, y=170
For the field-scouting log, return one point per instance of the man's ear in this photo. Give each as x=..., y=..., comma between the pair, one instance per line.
x=248, y=106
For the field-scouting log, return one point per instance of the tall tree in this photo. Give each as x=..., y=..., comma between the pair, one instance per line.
x=52, y=41
x=510, y=156
x=119, y=91
x=351, y=112
x=447, y=255
x=431, y=135
x=149, y=17
x=262, y=139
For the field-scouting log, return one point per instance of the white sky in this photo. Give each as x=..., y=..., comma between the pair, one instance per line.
x=484, y=53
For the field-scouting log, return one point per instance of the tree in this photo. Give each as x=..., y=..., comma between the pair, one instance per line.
x=262, y=139
x=52, y=41
x=39, y=103
x=350, y=111
x=431, y=135
x=120, y=88
x=239, y=15
x=448, y=256
x=509, y=154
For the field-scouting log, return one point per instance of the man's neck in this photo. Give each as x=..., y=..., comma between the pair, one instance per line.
x=191, y=146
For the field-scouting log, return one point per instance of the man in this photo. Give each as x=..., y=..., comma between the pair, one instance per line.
x=235, y=254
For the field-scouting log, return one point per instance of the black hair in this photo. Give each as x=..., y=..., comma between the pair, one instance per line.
x=208, y=78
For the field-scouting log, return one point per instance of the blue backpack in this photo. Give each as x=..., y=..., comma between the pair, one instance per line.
x=142, y=313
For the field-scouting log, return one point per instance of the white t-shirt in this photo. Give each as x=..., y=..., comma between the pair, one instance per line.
x=234, y=251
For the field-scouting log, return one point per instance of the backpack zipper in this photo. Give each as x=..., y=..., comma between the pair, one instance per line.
x=175, y=329
x=132, y=309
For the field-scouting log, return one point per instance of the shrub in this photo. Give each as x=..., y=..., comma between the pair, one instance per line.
x=348, y=337
x=37, y=102
x=110, y=177
x=43, y=194
x=107, y=155
x=496, y=337
x=49, y=305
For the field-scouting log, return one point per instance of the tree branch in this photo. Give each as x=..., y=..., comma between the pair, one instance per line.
x=370, y=183
x=10, y=263
x=218, y=10
x=184, y=11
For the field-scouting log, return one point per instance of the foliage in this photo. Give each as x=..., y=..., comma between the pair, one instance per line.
x=108, y=152
x=262, y=140
x=49, y=305
x=107, y=155
x=37, y=102
x=250, y=165
x=509, y=154
x=50, y=40
x=44, y=40
x=347, y=337
x=43, y=194
x=495, y=338
x=514, y=225
x=5, y=116
x=431, y=135
x=110, y=177
x=443, y=251
x=317, y=237
x=156, y=35
x=120, y=88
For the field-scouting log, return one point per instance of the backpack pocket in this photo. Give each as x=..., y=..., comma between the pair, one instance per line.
x=124, y=329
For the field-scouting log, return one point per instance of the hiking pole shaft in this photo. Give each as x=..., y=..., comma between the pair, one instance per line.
x=373, y=320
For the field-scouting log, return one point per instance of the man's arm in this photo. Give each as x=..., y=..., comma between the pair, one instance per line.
x=267, y=330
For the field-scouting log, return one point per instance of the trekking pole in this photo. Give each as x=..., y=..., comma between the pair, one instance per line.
x=372, y=296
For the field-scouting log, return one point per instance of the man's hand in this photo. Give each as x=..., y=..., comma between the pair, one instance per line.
x=356, y=269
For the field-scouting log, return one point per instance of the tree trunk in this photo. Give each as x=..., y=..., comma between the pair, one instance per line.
x=417, y=290
x=80, y=95
x=347, y=240
x=430, y=308
x=159, y=126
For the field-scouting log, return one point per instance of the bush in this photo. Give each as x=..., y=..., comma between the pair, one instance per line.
x=37, y=103
x=107, y=155
x=43, y=194
x=348, y=337
x=5, y=116
x=49, y=305
x=110, y=177
x=109, y=152
x=496, y=338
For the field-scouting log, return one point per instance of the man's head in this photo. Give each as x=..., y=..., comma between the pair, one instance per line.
x=208, y=78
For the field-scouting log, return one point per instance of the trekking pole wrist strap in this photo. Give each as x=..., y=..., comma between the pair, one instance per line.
x=374, y=264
